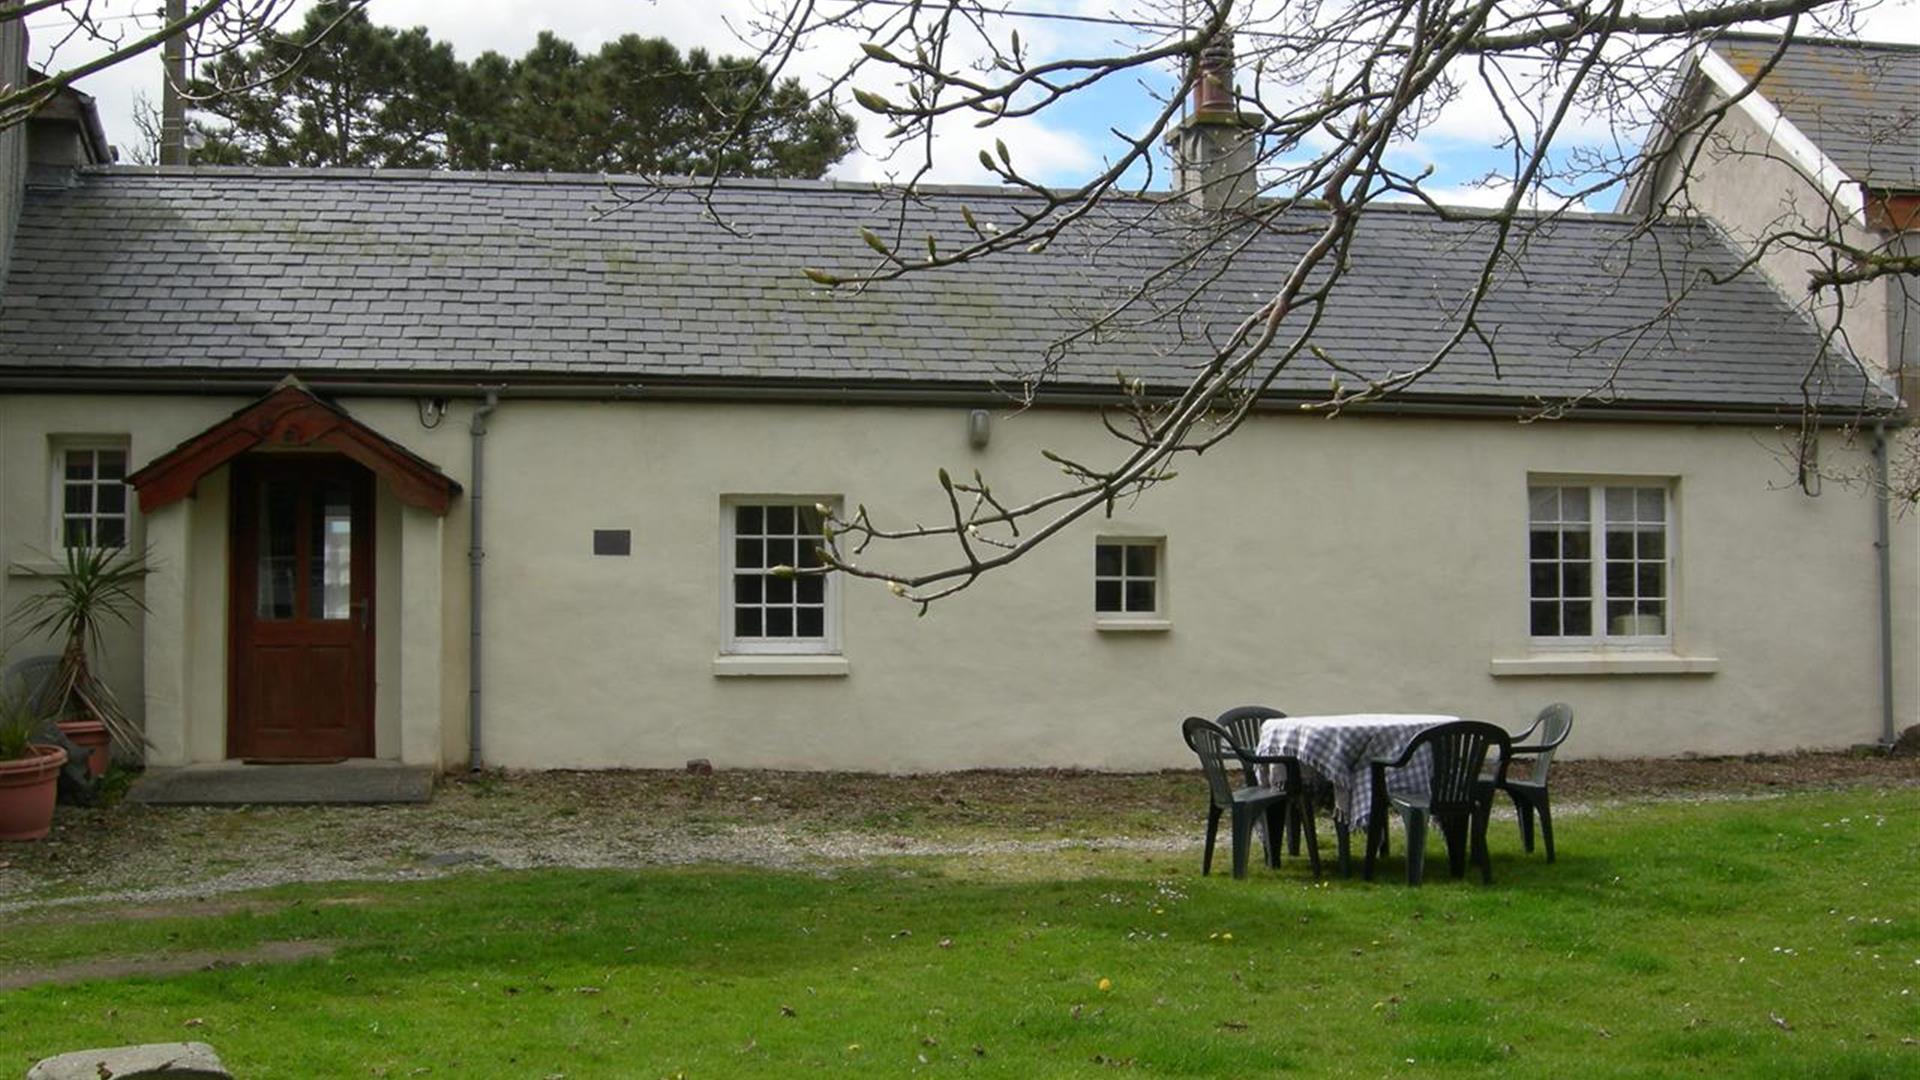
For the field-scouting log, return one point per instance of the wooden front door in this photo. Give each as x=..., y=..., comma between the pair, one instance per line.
x=301, y=653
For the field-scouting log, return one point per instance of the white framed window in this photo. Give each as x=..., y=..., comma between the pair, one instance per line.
x=794, y=610
x=1129, y=580
x=90, y=495
x=1600, y=563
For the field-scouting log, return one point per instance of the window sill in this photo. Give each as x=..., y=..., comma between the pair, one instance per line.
x=1611, y=663
x=736, y=665
x=1133, y=626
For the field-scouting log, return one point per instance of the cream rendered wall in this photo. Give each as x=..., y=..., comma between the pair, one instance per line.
x=1745, y=184
x=1318, y=566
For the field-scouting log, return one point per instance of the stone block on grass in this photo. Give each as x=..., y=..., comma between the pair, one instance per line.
x=173, y=1061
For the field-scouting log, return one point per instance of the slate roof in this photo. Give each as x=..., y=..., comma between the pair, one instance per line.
x=1859, y=102
x=355, y=274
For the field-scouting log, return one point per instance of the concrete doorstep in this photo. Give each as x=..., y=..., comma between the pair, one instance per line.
x=355, y=781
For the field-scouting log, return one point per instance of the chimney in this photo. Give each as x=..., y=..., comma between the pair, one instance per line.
x=13, y=136
x=173, y=84
x=1213, y=148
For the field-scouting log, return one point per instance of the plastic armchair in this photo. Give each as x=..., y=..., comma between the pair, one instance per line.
x=1529, y=796
x=1243, y=724
x=1458, y=800
x=1245, y=806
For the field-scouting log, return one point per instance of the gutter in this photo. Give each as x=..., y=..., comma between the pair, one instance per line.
x=476, y=556
x=1883, y=568
x=921, y=394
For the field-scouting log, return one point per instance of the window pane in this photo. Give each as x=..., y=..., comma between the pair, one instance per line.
x=1139, y=596
x=809, y=521
x=1106, y=596
x=275, y=575
x=1579, y=618
x=79, y=498
x=746, y=588
x=331, y=553
x=813, y=622
x=112, y=498
x=1576, y=545
x=112, y=532
x=779, y=622
x=1619, y=544
x=1543, y=504
x=1573, y=505
x=1139, y=560
x=1544, y=544
x=1653, y=504
x=78, y=533
x=809, y=554
x=1653, y=580
x=748, y=555
x=779, y=521
x=748, y=520
x=746, y=622
x=1107, y=560
x=1617, y=612
x=1576, y=579
x=1546, y=619
x=779, y=590
x=1544, y=581
x=1653, y=545
x=79, y=464
x=781, y=553
x=1620, y=505
x=811, y=589
x=1620, y=579
x=113, y=464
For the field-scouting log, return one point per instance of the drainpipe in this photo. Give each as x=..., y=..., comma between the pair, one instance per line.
x=1883, y=563
x=476, y=555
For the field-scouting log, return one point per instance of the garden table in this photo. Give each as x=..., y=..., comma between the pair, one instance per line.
x=1340, y=750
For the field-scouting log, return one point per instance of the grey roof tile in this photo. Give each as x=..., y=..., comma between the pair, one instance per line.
x=475, y=275
x=1859, y=102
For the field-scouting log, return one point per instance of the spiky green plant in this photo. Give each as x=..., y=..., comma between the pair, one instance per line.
x=93, y=588
x=18, y=726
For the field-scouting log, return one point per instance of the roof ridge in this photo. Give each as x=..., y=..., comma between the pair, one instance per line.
x=688, y=185
x=1818, y=42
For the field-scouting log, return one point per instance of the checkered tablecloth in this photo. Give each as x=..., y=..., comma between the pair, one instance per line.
x=1341, y=749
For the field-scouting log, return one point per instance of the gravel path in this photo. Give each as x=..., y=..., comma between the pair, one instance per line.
x=135, y=854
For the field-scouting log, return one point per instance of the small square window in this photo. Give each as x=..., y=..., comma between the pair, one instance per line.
x=90, y=505
x=1126, y=578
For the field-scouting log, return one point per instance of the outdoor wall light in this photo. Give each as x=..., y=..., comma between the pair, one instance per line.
x=979, y=428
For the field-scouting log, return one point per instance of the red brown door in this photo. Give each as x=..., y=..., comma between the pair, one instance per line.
x=301, y=655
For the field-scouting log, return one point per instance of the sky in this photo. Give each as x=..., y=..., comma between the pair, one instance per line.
x=1059, y=148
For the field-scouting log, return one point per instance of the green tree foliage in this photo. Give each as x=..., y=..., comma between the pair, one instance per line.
x=343, y=91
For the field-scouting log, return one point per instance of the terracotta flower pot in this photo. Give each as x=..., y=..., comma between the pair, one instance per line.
x=26, y=792
x=93, y=737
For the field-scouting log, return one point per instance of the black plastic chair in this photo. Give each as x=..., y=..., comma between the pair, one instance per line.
x=1249, y=804
x=1458, y=799
x=1529, y=796
x=1243, y=724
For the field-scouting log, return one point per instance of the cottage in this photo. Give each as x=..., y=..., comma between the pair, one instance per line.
x=446, y=469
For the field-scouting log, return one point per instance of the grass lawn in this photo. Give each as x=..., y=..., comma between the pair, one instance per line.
x=1774, y=937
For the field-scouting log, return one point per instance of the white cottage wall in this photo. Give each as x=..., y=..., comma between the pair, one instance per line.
x=1320, y=566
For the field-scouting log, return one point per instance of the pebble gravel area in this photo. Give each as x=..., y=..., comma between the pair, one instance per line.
x=794, y=820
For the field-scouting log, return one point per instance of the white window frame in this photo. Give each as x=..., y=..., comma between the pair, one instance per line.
x=58, y=447
x=732, y=644
x=1155, y=619
x=1596, y=488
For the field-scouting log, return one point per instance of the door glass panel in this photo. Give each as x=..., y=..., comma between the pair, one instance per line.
x=332, y=569
x=277, y=533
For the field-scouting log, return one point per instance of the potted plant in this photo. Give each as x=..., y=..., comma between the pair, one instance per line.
x=91, y=589
x=29, y=773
